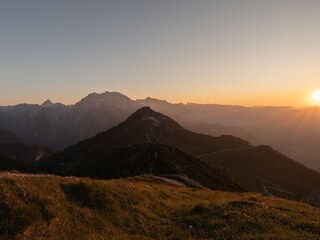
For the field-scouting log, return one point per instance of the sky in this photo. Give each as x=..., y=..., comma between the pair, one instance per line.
x=245, y=52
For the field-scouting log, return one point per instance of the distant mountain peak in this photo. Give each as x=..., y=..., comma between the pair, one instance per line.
x=105, y=94
x=150, y=99
x=47, y=102
x=110, y=99
x=153, y=102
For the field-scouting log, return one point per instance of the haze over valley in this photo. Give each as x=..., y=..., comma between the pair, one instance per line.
x=292, y=131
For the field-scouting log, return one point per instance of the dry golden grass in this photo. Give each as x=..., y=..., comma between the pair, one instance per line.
x=49, y=207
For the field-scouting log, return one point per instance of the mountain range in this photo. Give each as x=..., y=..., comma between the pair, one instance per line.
x=291, y=131
x=149, y=142
x=58, y=125
x=194, y=183
x=267, y=170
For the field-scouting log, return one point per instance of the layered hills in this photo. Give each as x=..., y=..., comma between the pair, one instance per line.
x=149, y=142
x=15, y=155
x=58, y=125
x=156, y=159
x=133, y=146
x=267, y=170
x=148, y=126
x=291, y=131
x=178, y=199
x=25, y=152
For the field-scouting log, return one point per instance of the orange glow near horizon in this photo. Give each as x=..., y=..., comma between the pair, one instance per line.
x=309, y=98
x=208, y=52
x=268, y=99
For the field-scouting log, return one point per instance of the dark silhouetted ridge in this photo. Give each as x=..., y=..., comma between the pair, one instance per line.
x=25, y=152
x=47, y=102
x=155, y=159
x=146, y=126
x=148, y=142
x=8, y=137
x=146, y=116
x=264, y=162
x=59, y=126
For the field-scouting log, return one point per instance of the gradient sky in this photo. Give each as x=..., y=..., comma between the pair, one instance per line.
x=247, y=52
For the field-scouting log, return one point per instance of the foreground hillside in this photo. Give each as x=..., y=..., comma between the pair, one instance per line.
x=49, y=207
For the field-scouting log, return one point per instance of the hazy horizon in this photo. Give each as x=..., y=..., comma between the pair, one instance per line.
x=224, y=52
x=226, y=148
x=152, y=97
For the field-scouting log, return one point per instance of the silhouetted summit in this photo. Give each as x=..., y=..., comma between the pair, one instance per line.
x=58, y=125
x=47, y=102
x=148, y=126
x=114, y=101
x=143, y=126
x=147, y=117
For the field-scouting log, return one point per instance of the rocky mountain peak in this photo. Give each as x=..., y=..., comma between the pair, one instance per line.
x=47, y=103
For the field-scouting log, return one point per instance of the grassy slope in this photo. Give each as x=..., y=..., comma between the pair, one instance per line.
x=34, y=207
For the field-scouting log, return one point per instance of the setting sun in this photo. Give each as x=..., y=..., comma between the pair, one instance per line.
x=316, y=95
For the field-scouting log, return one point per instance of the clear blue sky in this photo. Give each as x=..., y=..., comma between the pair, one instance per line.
x=247, y=51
